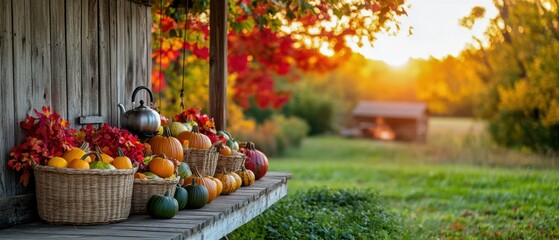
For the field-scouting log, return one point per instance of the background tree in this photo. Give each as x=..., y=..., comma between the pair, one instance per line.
x=520, y=70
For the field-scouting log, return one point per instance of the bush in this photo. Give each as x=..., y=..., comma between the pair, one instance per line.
x=316, y=109
x=276, y=135
x=516, y=130
x=322, y=213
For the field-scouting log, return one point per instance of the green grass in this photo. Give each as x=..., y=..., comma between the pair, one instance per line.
x=458, y=185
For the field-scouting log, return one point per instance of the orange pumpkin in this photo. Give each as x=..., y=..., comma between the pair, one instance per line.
x=81, y=163
x=104, y=157
x=206, y=182
x=161, y=166
x=195, y=139
x=77, y=153
x=141, y=176
x=238, y=180
x=122, y=162
x=219, y=185
x=167, y=144
x=225, y=150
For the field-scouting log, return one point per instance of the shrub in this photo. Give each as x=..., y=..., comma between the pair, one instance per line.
x=275, y=135
x=516, y=130
x=323, y=213
x=316, y=109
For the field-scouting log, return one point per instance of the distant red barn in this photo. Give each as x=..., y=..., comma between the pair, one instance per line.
x=407, y=120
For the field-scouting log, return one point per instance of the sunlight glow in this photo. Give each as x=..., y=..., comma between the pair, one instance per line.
x=436, y=32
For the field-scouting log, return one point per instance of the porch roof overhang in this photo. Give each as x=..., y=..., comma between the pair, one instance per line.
x=390, y=109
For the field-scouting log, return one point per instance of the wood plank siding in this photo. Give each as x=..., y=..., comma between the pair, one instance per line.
x=81, y=57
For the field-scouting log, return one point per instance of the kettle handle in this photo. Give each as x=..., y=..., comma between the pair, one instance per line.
x=140, y=88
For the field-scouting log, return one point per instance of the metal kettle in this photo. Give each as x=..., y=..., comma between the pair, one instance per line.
x=142, y=120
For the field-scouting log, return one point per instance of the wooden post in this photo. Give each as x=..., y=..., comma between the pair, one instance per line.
x=218, y=62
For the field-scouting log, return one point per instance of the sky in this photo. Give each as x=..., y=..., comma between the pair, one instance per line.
x=436, y=31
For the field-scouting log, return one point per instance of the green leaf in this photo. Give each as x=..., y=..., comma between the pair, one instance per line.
x=338, y=13
x=246, y=8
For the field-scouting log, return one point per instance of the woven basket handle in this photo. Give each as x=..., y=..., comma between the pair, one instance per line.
x=216, y=146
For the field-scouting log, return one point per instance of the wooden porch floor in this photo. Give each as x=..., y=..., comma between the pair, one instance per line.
x=215, y=220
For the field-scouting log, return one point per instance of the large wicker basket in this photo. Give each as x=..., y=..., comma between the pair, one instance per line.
x=144, y=189
x=231, y=163
x=83, y=197
x=203, y=160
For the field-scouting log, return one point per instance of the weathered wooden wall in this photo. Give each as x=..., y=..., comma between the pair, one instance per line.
x=81, y=57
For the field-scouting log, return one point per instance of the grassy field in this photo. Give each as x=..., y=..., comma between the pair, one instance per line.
x=458, y=185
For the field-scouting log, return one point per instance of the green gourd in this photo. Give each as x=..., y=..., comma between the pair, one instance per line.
x=197, y=195
x=184, y=170
x=99, y=164
x=151, y=175
x=181, y=195
x=162, y=206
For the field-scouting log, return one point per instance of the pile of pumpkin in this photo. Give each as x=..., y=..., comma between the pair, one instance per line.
x=164, y=160
x=82, y=158
x=196, y=190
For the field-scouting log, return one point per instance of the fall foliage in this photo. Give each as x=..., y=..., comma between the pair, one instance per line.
x=267, y=41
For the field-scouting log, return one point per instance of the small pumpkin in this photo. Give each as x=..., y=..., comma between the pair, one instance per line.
x=257, y=162
x=238, y=180
x=167, y=144
x=140, y=176
x=184, y=170
x=177, y=128
x=197, y=195
x=231, y=142
x=162, y=206
x=99, y=163
x=151, y=175
x=206, y=182
x=218, y=184
x=80, y=163
x=228, y=181
x=105, y=157
x=77, y=153
x=225, y=151
x=161, y=166
x=182, y=196
x=147, y=149
x=195, y=139
x=246, y=175
x=57, y=162
x=122, y=161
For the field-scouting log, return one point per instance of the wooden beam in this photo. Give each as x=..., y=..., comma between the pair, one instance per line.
x=218, y=62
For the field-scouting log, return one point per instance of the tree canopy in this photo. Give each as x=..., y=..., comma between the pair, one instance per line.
x=519, y=68
x=269, y=42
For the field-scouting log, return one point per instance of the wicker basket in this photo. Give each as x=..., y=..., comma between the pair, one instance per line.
x=144, y=189
x=83, y=197
x=203, y=160
x=231, y=163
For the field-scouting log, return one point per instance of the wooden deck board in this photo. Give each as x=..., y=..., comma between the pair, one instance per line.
x=215, y=220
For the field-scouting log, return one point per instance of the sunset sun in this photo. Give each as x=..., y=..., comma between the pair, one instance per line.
x=434, y=28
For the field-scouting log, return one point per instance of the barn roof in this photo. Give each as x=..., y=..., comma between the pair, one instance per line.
x=390, y=109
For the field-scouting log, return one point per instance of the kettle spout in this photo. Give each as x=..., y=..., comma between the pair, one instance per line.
x=122, y=109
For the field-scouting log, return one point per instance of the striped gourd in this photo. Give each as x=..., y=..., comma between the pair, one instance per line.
x=247, y=176
x=228, y=181
x=238, y=180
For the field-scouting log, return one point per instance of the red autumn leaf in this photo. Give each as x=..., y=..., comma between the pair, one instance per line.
x=167, y=24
